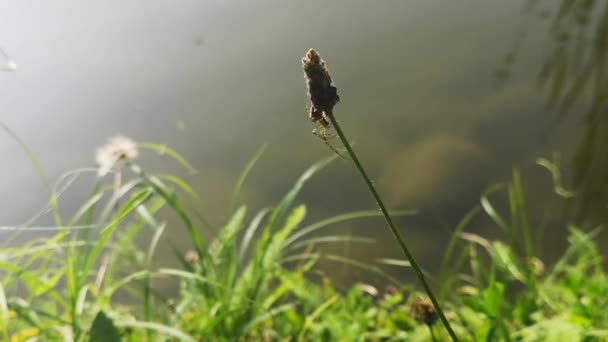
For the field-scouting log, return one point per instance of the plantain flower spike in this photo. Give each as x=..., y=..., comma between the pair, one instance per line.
x=322, y=93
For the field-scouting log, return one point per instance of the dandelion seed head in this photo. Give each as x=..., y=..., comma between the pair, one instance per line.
x=118, y=152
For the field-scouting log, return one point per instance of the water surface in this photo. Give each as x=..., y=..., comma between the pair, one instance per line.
x=217, y=79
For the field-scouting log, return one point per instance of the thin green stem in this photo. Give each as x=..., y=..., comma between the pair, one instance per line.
x=433, y=337
x=393, y=228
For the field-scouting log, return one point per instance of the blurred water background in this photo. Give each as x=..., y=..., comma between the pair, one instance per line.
x=443, y=99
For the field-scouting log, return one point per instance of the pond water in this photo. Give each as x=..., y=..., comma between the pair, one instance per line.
x=436, y=113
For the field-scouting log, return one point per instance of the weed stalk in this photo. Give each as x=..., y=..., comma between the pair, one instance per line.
x=324, y=96
x=391, y=225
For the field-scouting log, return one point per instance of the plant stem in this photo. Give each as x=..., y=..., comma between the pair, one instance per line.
x=433, y=337
x=392, y=227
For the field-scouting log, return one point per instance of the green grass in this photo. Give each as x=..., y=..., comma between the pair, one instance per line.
x=254, y=281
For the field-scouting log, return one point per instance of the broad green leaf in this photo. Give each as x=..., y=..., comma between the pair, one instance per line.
x=103, y=329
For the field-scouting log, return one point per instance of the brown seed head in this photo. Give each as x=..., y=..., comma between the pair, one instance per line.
x=423, y=311
x=191, y=256
x=322, y=93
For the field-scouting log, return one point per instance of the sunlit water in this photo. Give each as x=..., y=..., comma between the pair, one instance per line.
x=217, y=79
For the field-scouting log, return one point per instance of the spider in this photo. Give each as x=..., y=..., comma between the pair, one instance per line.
x=323, y=130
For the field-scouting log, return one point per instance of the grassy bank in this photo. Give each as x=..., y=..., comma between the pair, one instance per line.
x=90, y=281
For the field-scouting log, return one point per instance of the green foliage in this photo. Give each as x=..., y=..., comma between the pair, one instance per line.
x=103, y=329
x=255, y=280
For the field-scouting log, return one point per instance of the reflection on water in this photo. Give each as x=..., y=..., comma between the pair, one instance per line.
x=574, y=81
x=216, y=80
x=429, y=166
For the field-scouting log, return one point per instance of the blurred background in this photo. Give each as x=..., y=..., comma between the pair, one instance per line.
x=443, y=100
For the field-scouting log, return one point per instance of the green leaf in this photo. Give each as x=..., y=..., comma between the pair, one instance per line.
x=3, y=310
x=227, y=236
x=241, y=181
x=273, y=252
x=489, y=209
x=331, y=239
x=394, y=262
x=503, y=257
x=281, y=210
x=182, y=184
x=103, y=329
x=159, y=328
x=362, y=265
x=164, y=149
x=493, y=298
x=173, y=201
x=342, y=218
x=38, y=170
x=47, y=285
x=136, y=200
x=309, y=322
x=250, y=231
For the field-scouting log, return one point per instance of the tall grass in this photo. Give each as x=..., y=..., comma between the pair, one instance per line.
x=66, y=287
x=91, y=281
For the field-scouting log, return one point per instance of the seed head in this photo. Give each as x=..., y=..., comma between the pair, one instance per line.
x=321, y=91
x=118, y=152
x=191, y=257
x=538, y=267
x=423, y=311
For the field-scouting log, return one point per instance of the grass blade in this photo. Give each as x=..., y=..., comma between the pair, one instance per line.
x=165, y=150
x=159, y=328
x=241, y=181
x=135, y=201
x=342, y=218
